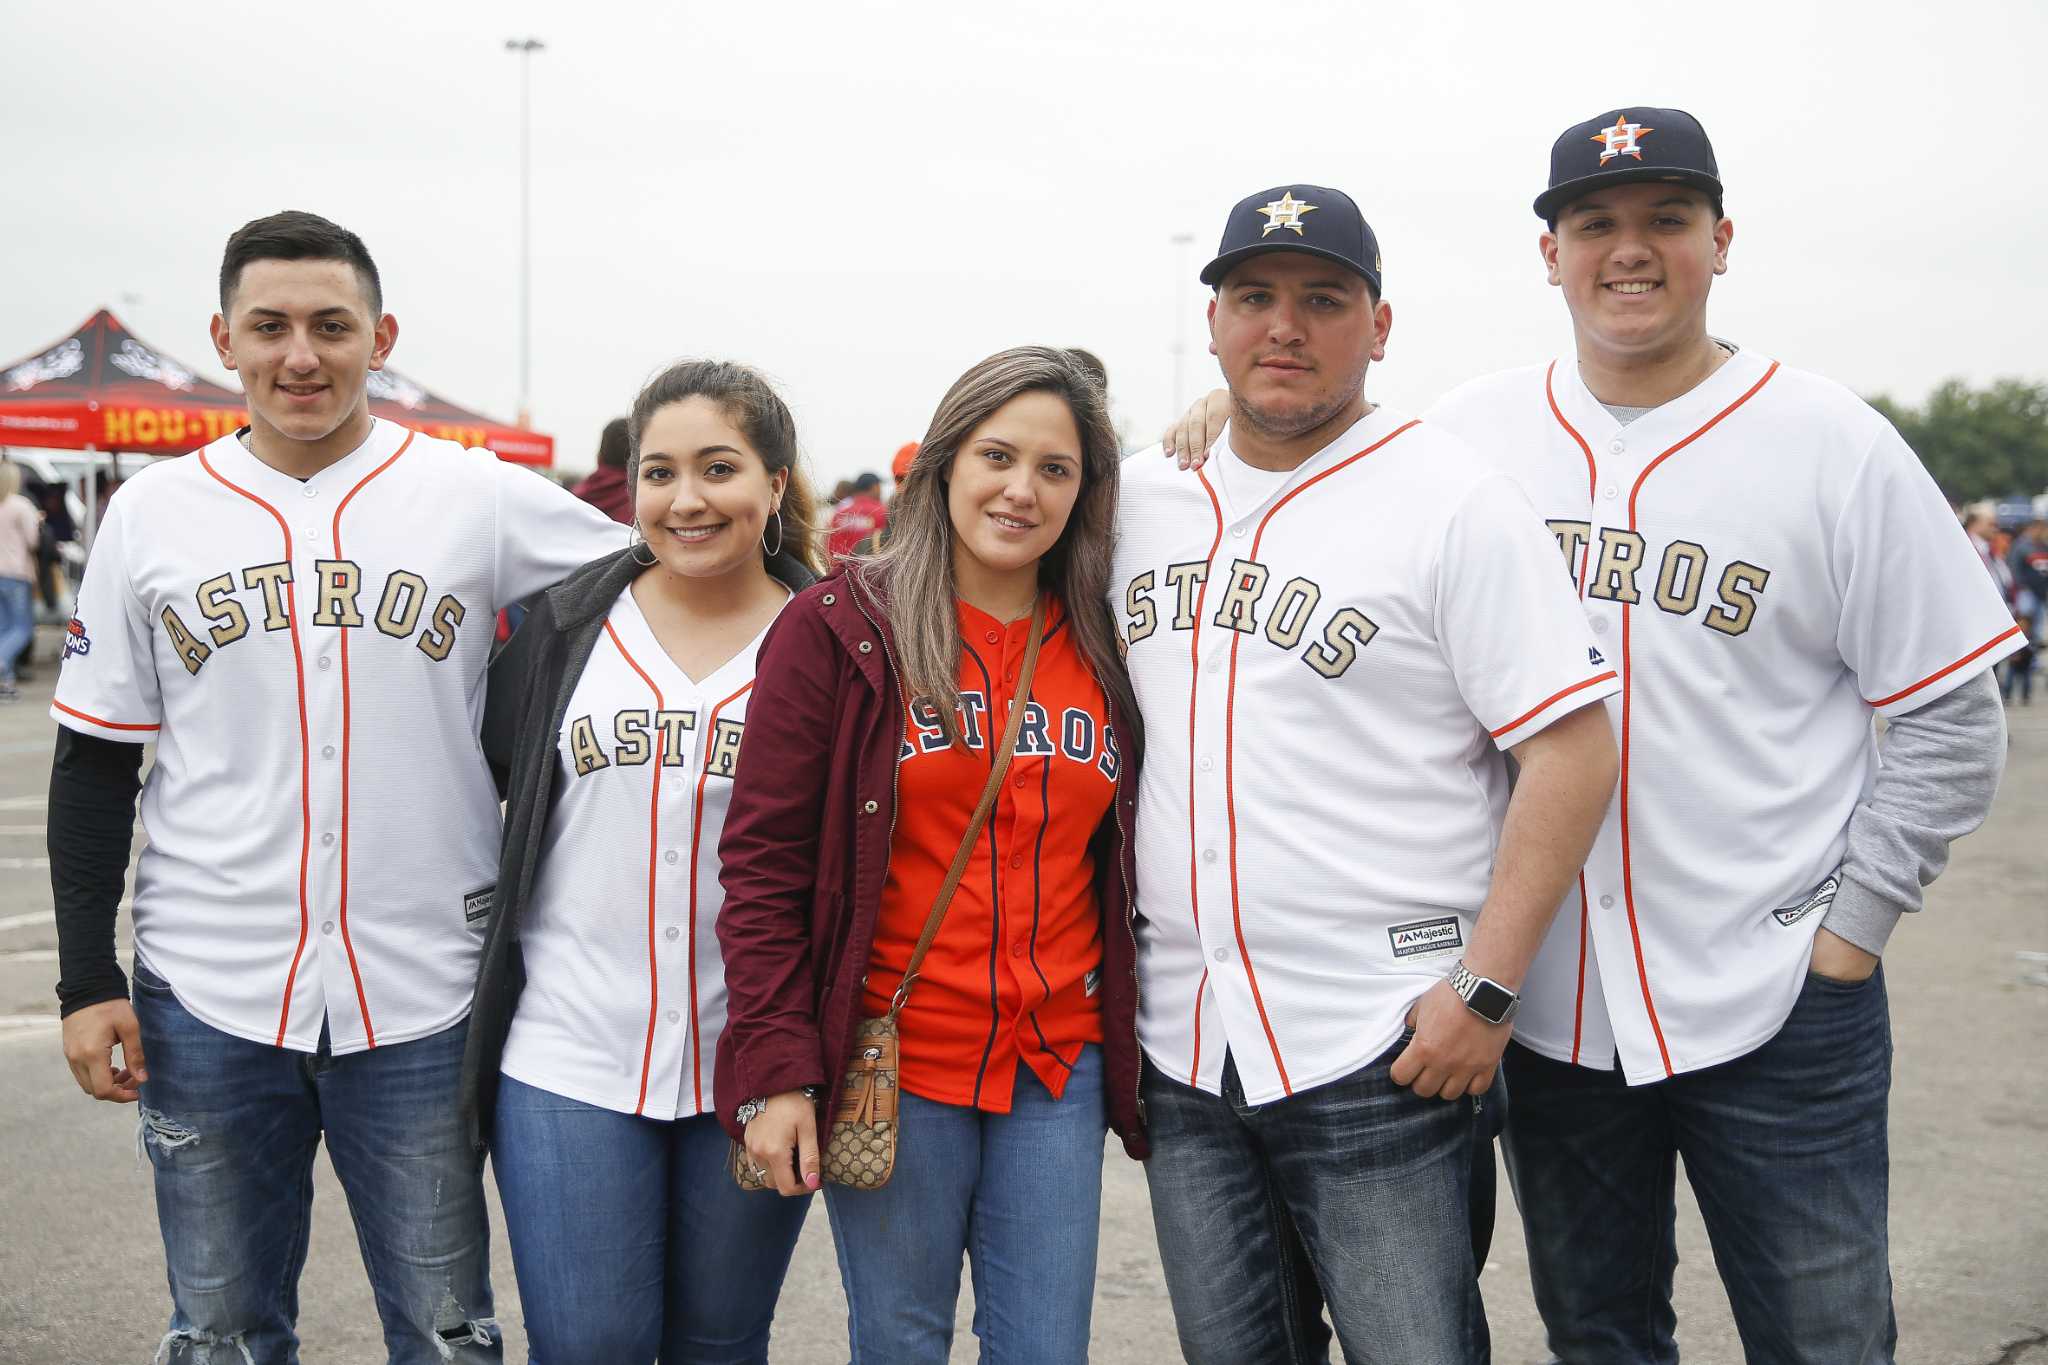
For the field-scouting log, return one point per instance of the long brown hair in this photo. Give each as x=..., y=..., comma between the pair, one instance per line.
x=751, y=403
x=914, y=568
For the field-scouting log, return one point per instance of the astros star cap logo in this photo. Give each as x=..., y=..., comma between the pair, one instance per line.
x=1285, y=212
x=1621, y=139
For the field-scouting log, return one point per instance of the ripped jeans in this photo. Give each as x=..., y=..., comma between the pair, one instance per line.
x=231, y=1127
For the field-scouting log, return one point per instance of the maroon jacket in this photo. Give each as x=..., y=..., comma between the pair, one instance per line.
x=605, y=489
x=806, y=853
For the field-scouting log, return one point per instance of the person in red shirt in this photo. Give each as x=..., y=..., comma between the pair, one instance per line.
x=857, y=516
x=606, y=487
x=891, y=683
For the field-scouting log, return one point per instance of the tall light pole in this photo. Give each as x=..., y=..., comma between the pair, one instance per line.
x=525, y=47
x=1181, y=242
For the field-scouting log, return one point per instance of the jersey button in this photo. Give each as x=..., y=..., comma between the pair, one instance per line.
x=1019, y=783
x=1017, y=861
x=1607, y=902
x=327, y=840
x=1208, y=764
x=669, y=857
x=674, y=933
x=1222, y=955
x=1208, y=855
x=1599, y=625
x=327, y=751
x=992, y=637
x=311, y=491
x=326, y=662
x=674, y=1018
x=1016, y=950
x=327, y=928
x=1237, y=531
x=1609, y=491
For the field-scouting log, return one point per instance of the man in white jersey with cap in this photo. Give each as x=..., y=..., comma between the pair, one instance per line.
x=299, y=615
x=1337, y=634
x=1769, y=566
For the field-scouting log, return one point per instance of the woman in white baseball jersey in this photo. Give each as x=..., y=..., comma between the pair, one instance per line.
x=614, y=723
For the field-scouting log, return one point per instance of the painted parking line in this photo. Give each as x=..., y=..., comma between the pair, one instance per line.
x=24, y=829
x=22, y=864
x=23, y=802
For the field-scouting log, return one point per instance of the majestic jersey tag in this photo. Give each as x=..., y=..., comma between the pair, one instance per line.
x=476, y=905
x=1823, y=895
x=1092, y=982
x=1427, y=937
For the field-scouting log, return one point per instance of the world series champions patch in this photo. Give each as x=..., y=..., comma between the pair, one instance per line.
x=76, y=641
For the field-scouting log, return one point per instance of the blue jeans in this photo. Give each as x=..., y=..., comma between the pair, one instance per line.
x=629, y=1237
x=1375, y=1180
x=17, y=624
x=1019, y=1194
x=231, y=1127
x=1786, y=1151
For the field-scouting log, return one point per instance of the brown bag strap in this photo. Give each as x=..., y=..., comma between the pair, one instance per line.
x=998, y=766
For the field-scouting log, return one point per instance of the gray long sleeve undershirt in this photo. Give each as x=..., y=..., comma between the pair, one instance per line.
x=1940, y=769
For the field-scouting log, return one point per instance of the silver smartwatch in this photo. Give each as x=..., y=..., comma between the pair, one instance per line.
x=1488, y=999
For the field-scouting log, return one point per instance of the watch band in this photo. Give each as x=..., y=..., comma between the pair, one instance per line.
x=1485, y=997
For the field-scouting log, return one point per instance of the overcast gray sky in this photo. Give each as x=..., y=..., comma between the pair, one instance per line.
x=864, y=199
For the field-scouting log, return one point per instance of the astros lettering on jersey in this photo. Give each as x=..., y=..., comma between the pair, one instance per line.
x=625, y=991
x=309, y=658
x=1328, y=676
x=1766, y=563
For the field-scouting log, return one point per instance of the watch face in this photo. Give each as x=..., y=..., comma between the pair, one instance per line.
x=1491, y=1001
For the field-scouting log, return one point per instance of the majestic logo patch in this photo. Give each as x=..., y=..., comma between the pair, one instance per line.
x=1092, y=982
x=76, y=641
x=477, y=904
x=1621, y=139
x=1594, y=656
x=1427, y=937
x=1285, y=212
x=1823, y=896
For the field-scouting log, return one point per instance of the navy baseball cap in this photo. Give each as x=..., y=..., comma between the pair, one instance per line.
x=1626, y=145
x=1308, y=218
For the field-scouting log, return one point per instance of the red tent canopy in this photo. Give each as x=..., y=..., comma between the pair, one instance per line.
x=102, y=389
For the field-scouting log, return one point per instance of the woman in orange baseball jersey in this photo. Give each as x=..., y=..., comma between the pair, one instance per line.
x=892, y=683
x=614, y=723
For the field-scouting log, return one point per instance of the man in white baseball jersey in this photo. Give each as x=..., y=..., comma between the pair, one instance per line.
x=299, y=615
x=1772, y=565
x=1768, y=565
x=1336, y=634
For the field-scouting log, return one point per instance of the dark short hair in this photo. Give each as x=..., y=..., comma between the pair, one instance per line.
x=615, y=447
x=868, y=482
x=297, y=236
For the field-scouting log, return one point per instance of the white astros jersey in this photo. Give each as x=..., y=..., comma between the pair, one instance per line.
x=1327, y=677
x=1767, y=564
x=309, y=657
x=625, y=989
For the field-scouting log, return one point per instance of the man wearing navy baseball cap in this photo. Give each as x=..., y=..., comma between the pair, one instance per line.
x=1771, y=565
x=1337, y=632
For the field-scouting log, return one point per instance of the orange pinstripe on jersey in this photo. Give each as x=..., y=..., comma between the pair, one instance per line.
x=653, y=838
x=1979, y=652
x=305, y=761
x=696, y=839
x=1194, y=672
x=1230, y=747
x=348, y=945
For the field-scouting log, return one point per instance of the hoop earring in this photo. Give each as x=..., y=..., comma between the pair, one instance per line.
x=780, y=537
x=634, y=545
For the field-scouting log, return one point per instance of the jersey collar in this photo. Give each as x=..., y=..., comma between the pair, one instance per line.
x=1662, y=425
x=239, y=463
x=1354, y=438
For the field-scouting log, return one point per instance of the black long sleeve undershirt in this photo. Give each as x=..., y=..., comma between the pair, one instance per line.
x=93, y=786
